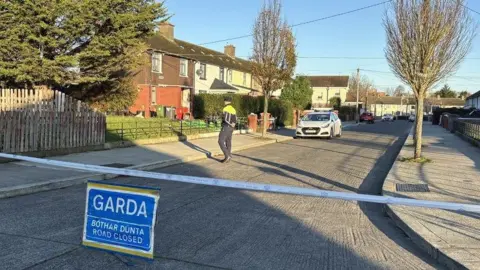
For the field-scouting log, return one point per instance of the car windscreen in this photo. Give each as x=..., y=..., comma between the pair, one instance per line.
x=316, y=117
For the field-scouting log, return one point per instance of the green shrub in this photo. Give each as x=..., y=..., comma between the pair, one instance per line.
x=205, y=105
x=281, y=109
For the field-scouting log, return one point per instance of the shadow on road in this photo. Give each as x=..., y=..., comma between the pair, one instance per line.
x=198, y=226
x=373, y=184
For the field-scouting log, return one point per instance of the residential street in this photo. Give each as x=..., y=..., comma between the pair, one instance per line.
x=201, y=227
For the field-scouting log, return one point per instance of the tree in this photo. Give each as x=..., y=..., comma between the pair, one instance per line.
x=426, y=42
x=298, y=92
x=446, y=92
x=274, y=58
x=87, y=47
x=365, y=86
x=399, y=91
x=336, y=102
x=464, y=94
x=389, y=91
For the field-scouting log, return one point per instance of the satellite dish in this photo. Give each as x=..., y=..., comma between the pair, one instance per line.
x=199, y=72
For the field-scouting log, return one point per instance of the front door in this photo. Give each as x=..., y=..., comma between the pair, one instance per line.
x=186, y=98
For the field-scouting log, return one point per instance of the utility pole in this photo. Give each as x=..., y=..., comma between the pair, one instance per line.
x=358, y=87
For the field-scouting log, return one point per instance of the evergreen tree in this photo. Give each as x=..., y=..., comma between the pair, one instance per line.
x=88, y=47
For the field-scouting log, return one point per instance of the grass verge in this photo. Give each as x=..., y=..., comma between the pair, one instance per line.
x=420, y=160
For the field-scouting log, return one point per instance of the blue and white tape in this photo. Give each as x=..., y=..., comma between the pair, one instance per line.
x=253, y=186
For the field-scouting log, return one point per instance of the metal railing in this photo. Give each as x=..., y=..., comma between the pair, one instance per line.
x=128, y=131
x=469, y=128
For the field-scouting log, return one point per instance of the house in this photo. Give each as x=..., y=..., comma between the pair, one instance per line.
x=407, y=105
x=168, y=76
x=175, y=70
x=221, y=73
x=473, y=100
x=326, y=87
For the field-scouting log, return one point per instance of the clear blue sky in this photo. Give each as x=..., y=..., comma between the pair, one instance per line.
x=358, y=34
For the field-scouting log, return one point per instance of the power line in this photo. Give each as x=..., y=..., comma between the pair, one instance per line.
x=303, y=23
x=472, y=10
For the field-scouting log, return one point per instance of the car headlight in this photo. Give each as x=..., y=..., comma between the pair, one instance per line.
x=325, y=126
x=300, y=125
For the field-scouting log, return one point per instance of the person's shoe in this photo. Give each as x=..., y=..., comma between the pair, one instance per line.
x=227, y=160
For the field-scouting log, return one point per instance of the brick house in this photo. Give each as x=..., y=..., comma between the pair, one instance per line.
x=176, y=70
x=167, y=78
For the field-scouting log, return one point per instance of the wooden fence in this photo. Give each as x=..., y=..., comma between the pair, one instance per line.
x=43, y=120
x=38, y=100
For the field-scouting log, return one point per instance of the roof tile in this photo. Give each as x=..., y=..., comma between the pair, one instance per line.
x=328, y=81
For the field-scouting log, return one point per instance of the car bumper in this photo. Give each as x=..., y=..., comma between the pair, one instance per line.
x=312, y=132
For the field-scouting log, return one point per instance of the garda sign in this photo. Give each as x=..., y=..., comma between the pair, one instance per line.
x=120, y=218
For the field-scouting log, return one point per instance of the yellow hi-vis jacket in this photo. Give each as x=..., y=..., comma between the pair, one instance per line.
x=229, y=116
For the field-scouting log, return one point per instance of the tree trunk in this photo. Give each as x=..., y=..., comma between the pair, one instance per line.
x=418, y=127
x=265, y=115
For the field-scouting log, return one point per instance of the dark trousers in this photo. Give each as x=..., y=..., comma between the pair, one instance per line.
x=225, y=140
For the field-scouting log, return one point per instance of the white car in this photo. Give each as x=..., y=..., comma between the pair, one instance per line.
x=388, y=117
x=411, y=118
x=319, y=124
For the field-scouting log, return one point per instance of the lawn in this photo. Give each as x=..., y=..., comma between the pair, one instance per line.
x=120, y=128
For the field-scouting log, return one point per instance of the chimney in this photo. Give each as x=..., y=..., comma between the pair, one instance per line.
x=166, y=29
x=230, y=50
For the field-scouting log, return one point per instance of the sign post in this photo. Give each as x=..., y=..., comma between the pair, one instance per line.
x=120, y=218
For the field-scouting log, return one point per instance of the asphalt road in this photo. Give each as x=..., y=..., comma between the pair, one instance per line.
x=201, y=227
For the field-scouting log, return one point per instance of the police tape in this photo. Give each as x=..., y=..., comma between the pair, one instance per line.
x=461, y=207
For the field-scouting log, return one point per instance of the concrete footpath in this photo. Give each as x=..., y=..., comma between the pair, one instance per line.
x=20, y=178
x=453, y=238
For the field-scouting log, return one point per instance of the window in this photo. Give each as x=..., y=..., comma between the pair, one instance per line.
x=229, y=75
x=153, y=96
x=316, y=117
x=202, y=91
x=203, y=68
x=413, y=107
x=244, y=79
x=221, y=75
x=183, y=67
x=157, y=62
x=337, y=94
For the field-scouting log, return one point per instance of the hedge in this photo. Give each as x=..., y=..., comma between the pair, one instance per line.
x=439, y=111
x=205, y=105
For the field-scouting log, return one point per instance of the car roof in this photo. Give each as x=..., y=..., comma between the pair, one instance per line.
x=326, y=113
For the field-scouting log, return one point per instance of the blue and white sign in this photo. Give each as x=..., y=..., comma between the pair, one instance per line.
x=120, y=218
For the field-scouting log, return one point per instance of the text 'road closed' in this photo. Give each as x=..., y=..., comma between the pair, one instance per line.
x=120, y=218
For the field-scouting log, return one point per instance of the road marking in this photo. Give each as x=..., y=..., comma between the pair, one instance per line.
x=254, y=186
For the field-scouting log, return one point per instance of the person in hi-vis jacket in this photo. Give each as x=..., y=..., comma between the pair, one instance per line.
x=229, y=120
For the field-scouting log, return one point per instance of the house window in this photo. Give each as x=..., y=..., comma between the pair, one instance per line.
x=153, y=96
x=337, y=94
x=229, y=75
x=183, y=67
x=244, y=79
x=157, y=62
x=222, y=74
x=203, y=69
x=413, y=107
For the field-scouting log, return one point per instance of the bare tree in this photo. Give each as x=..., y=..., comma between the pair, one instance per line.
x=426, y=42
x=274, y=58
x=365, y=86
x=399, y=91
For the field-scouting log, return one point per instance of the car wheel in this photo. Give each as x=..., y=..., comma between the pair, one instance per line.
x=331, y=134
x=339, y=133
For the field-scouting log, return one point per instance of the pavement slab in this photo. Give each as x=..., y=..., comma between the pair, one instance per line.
x=454, y=176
